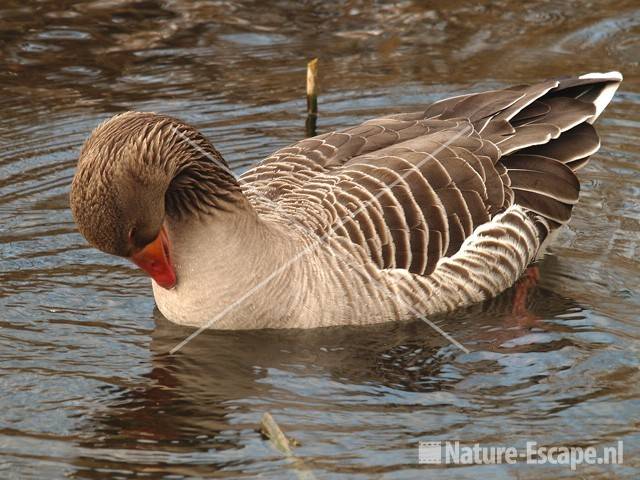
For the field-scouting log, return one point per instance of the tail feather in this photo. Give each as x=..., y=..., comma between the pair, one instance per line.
x=564, y=112
x=576, y=165
x=553, y=137
x=578, y=143
x=544, y=135
x=595, y=88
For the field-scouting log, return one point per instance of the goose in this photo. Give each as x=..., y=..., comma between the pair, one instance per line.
x=406, y=215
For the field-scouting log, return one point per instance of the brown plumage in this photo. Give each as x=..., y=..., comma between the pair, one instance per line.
x=441, y=207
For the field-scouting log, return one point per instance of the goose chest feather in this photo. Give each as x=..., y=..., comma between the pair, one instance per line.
x=404, y=215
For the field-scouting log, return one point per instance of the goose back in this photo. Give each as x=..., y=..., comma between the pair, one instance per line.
x=408, y=189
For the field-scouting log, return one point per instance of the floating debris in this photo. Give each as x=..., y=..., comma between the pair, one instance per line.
x=272, y=431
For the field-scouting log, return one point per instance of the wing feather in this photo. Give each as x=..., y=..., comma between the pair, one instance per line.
x=409, y=189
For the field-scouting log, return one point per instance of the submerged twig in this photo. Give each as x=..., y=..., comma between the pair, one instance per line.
x=271, y=430
x=312, y=97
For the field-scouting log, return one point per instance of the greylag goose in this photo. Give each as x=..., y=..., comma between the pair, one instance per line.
x=402, y=216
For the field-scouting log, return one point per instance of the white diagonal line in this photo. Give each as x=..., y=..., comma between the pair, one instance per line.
x=192, y=143
x=314, y=244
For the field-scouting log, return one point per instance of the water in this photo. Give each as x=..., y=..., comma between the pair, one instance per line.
x=88, y=388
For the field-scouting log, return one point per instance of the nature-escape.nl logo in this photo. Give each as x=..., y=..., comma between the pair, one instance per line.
x=453, y=452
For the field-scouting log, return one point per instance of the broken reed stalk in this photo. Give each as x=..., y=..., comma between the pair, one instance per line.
x=273, y=432
x=312, y=97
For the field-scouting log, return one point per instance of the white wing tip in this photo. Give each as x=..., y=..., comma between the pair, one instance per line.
x=607, y=92
x=614, y=75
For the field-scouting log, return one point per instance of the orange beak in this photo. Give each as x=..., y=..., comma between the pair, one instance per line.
x=155, y=259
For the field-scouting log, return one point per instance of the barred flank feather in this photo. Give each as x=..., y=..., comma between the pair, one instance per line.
x=422, y=184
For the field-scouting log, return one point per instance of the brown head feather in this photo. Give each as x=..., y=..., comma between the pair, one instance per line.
x=138, y=167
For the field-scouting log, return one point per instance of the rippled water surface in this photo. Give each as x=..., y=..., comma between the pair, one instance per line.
x=87, y=388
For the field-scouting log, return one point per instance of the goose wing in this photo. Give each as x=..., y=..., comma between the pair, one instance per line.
x=408, y=189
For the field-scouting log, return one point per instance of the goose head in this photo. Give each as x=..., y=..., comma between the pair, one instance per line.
x=135, y=172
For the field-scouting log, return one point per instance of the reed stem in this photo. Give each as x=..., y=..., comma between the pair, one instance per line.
x=312, y=97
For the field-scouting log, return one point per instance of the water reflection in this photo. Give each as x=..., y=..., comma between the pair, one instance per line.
x=206, y=399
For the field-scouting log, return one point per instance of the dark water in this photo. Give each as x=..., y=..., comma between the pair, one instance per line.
x=87, y=389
